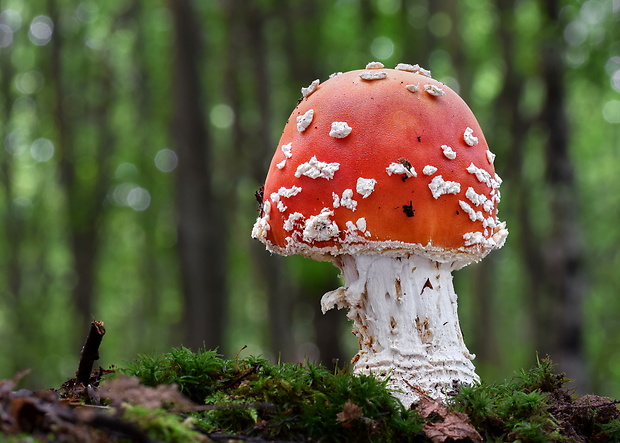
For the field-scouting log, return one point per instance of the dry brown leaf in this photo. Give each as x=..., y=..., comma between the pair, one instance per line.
x=455, y=426
x=446, y=425
x=427, y=407
x=351, y=411
x=129, y=390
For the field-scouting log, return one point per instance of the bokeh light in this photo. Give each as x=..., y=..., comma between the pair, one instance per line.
x=6, y=36
x=139, y=199
x=14, y=143
x=575, y=33
x=10, y=22
x=388, y=7
x=126, y=172
x=222, y=116
x=166, y=160
x=41, y=30
x=382, y=48
x=615, y=80
x=131, y=195
x=611, y=111
x=87, y=12
x=42, y=150
x=29, y=82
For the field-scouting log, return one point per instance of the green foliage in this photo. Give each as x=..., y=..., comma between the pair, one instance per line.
x=250, y=397
x=286, y=401
x=541, y=377
x=611, y=430
x=517, y=409
x=196, y=374
x=161, y=425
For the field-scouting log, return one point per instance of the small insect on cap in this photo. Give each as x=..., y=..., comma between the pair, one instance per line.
x=382, y=161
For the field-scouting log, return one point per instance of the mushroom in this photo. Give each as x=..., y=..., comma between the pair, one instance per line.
x=395, y=234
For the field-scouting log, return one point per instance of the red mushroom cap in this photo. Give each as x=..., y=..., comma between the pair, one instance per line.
x=382, y=161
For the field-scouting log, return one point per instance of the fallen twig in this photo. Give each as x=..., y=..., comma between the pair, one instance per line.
x=90, y=352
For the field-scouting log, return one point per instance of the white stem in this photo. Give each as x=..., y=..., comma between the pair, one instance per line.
x=404, y=314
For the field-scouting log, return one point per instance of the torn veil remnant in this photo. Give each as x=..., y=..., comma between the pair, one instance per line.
x=396, y=235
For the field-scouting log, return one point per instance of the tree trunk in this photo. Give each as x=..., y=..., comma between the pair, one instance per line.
x=201, y=229
x=299, y=22
x=12, y=225
x=555, y=286
x=84, y=201
x=564, y=248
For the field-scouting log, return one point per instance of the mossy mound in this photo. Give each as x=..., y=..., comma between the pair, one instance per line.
x=295, y=402
x=201, y=396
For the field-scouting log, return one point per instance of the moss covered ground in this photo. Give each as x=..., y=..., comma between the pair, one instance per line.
x=201, y=396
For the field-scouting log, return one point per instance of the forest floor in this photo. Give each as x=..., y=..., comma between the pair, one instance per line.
x=200, y=396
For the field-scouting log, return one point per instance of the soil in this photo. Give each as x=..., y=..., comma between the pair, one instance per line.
x=578, y=416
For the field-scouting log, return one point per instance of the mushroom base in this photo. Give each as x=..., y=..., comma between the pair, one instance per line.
x=404, y=313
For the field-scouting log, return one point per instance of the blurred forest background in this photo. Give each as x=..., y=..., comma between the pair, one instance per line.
x=134, y=134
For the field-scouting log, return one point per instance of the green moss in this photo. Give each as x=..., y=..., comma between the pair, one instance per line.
x=197, y=374
x=611, y=430
x=250, y=397
x=515, y=410
x=161, y=425
x=287, y=401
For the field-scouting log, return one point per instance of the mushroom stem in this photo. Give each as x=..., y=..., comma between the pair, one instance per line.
x=404, y=313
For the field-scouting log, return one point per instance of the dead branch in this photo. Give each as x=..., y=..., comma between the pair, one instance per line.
x=90, y=352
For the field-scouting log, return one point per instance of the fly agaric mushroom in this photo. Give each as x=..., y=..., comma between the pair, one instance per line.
x=387, y=173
